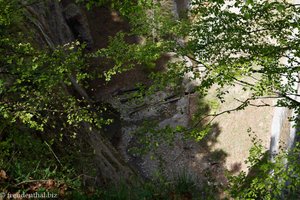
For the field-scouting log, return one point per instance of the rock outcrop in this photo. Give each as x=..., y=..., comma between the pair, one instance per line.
x=56, y=25
x=78, y=24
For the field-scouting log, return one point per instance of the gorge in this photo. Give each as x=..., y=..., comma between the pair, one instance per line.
x=145, y=93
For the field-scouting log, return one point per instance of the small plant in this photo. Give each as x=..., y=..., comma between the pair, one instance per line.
x=184, y=184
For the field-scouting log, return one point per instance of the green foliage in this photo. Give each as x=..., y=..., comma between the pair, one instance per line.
x=28, y=162
x=171, y=78
x=181, y=187
x=35, y=83
x=36, y=103
x=34, y=92
x=237, y=40
x=230, y=45
x=149, y=137
x=267, y=179
x=184, y=184
x=199, y=133
x=126, y=56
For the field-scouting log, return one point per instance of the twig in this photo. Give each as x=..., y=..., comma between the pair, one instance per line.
x=53, y=153
x=243, y=82
x=251, y=104
x=30, y=181
x=241, y=106
x=198, y=61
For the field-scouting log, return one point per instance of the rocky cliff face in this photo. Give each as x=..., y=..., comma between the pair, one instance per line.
x=59, y=23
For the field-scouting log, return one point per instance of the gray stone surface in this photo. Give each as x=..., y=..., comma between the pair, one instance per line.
x=78, y=23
